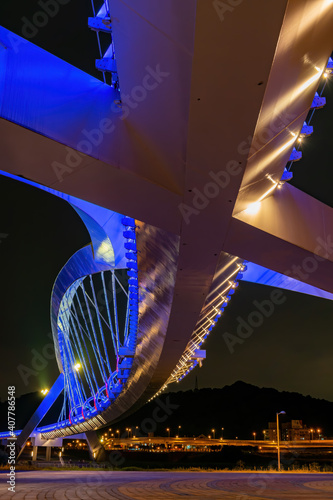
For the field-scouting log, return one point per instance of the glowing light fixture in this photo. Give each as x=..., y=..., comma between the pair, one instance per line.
x=254, y=208
x=306, y=130
x=77, y=367
x=286, y=176
x=44, y=391
x=318, y=101
x=329, y=67
x=295, y=155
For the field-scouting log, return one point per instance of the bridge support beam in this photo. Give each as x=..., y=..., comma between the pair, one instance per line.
x=39, y=414
x=34, y=453
x=96, y=450
x=48, y=453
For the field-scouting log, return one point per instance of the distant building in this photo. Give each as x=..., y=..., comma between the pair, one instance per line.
x=292, y=431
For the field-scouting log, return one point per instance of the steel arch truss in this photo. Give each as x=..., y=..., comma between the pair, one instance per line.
x=95, y=322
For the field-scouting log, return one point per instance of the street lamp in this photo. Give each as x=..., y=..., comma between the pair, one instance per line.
x=254, y=436
x=118, y=432
x=311, y=430
x=179, y=427
x=213, y=431
x=278, y=437
x=222, y=433
x=168, y=431
x=136, y=428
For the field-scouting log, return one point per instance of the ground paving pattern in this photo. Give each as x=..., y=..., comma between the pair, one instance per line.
x=70, y=485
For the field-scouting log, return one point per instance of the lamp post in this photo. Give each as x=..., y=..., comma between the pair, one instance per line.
x=168, y=431
x=254, y=436
x=278, y=438
x=222, y=429
x=179, y=427
x=213, y=431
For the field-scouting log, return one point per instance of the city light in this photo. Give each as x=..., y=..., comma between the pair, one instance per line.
x=77, y=367
x=44, y=391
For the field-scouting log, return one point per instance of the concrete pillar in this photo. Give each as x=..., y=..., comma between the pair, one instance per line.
x=96, y=449
x=48, y=453
x=34, y=453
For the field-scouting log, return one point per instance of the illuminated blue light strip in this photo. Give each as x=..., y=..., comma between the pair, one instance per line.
x=133, y=295
x=318, y=102
x=263, y=276
x=115, y=312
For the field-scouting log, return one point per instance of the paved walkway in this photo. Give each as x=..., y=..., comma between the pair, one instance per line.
x=167, y=485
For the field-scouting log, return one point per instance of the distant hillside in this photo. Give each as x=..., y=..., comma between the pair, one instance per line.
x=25, y=407
x=240, y=409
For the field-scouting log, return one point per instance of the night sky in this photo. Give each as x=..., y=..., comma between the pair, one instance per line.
x=292, y=350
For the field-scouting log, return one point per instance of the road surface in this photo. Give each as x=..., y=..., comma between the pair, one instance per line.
x=145, y=485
